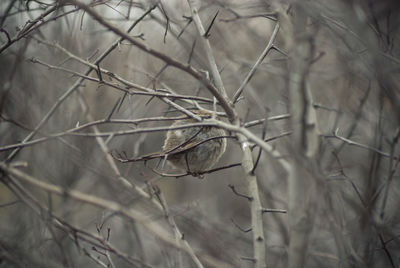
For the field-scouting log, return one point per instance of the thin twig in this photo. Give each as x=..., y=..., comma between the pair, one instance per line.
x=240, y=228
x=258, y=62
x=274, y=210
x=239, y=194
x=353, y=143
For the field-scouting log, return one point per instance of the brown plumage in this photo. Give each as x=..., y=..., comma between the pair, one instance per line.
x=188, y=149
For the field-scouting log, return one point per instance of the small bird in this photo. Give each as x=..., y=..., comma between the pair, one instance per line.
x=194, y=149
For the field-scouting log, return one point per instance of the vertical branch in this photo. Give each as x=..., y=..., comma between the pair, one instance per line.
x=207, y=47
x=259, y=252
x=302, y=181
x=247, y=159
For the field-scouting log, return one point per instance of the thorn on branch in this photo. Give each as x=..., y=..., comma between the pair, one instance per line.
x=76, y=241
x=121, y=101
x=240, y=228
x=239, y=99
x=167, y=23
x=99, y=252
x=239, y=194
x=99, y=73
x=257, y=161
x=264, y=132
x=274, y=210
x=280, y=50
x=141, y=36
x=248, y=259
x=191, y=52
x=113, y=110
x=318, y=57
x=121, y=157
x=189, y=19
x=108, y=233
x=206, y=34
x=6, y=33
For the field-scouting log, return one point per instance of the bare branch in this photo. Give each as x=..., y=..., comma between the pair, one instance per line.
x=270, y=44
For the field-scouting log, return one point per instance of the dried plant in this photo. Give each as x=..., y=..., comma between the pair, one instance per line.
x=305, y=94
